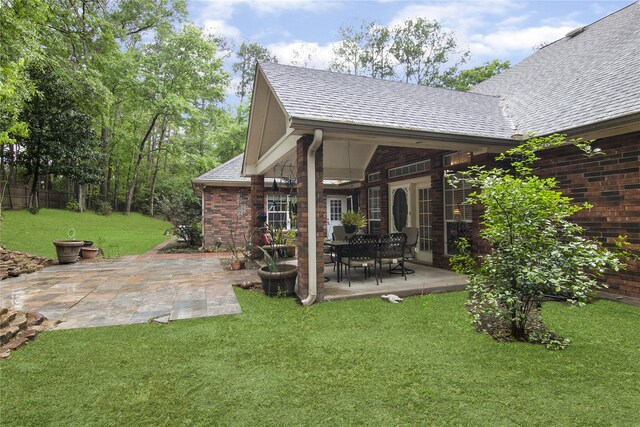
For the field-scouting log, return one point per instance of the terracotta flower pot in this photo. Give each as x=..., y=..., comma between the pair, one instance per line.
x=89, y=253
x=68, y=250
x=236, y=265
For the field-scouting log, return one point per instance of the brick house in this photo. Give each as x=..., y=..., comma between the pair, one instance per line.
x=388, y=143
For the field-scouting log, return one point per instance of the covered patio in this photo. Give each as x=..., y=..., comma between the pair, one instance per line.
x=425, y=280
x=385, y=147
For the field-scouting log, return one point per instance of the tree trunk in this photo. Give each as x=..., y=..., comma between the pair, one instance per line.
x=81, y=197
x=33, y=196
x=155, y=171
x=134, y=178
x=104, y=186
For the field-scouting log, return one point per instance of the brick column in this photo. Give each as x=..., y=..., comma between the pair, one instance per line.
x=257, y=205
x=302, y=220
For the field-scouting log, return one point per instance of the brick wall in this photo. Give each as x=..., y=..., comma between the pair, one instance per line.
x=221, y=208
x=611, y=183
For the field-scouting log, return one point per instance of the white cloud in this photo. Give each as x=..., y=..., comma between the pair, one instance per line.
x=459, y=15
x=492, y=29
x=311, y=55
x=219, y=27
x=277, y=6
x=505, y=42
x=224, y=9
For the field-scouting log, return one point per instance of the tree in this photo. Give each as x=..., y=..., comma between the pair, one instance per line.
x=61, y=138
x=376, y=58
x=248, y=55
x=364, y=51
x=535, y=247
x=465, y=80
x=22, y=23
x=348, y=52
x=417, y=51
x=424, y=51
x=179, y=73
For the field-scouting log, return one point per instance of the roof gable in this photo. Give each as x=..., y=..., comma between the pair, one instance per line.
x=342, y=98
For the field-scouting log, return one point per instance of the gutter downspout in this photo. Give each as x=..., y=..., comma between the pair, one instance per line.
x=311, y=217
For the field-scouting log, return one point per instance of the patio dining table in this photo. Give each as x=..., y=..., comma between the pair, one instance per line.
x=337, y=246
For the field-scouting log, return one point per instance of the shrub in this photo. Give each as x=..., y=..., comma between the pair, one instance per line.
x=102, y=207
x=72, y=205
x=183, y=210
x=535, y=248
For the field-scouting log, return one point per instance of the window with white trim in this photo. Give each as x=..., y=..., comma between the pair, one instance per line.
x=457, y=215
x=457, y=158
x=374, y=210
x=279, y=212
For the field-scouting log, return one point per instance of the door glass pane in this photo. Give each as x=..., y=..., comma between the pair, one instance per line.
x=400, y=209
x=424, y=218
x=335, y=210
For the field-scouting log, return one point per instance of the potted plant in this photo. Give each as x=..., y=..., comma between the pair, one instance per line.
x=353, y=221
x=236, y=262
x=68, y=250
x=89, y=252
x=277, y=278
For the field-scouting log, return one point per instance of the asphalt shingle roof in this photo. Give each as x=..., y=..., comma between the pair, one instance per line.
x=575, y=81
x=337, y=97
x=230, y=171
x=588, y=78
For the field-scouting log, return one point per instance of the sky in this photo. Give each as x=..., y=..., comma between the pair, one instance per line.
x=303, y=32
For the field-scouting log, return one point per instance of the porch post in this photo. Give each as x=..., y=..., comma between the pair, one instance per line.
x=302, y=240
x=257, y=205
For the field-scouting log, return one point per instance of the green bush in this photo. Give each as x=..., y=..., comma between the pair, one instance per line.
x=536, y=249
x=72, y=205
x=102, y=207
x=182, y=209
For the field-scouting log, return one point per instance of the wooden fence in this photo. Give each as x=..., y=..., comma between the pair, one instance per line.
x=17, y=197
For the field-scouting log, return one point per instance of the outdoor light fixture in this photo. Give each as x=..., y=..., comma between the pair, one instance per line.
x=274, y=186
x=456, y=212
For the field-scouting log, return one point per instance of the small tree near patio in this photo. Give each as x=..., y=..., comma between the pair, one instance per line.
x=536, y=250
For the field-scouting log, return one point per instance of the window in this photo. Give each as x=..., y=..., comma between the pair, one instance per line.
x=457, y=158
x=374, y=210
x=279, y=211
x=457, y=215
x=374, y=177
x=422, y=166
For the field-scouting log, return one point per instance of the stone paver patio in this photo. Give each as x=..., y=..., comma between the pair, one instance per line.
x=128, y=290
x=137, y=289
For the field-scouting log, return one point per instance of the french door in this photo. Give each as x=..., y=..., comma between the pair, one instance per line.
x=410, y=206
x=336, y=205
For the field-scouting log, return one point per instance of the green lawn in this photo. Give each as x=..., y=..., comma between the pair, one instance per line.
x=116, y=234
x=357, y=362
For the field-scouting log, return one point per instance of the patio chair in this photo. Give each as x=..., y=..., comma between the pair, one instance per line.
x=392, y=249
x=329, y=256
x=362, y=251
x=340, y=234
x=409, y=248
